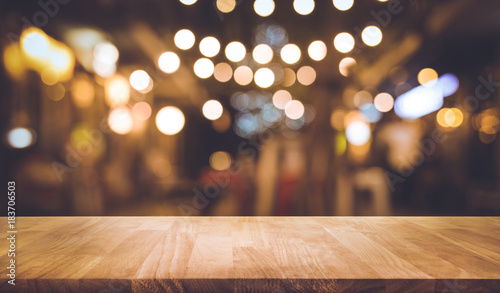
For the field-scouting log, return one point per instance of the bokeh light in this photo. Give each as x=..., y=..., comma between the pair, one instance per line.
x=303, y=7
x=220, y=161
x=264, y=77
x=358, y=133
x=212, y=109
x=170, y=120
x=203, y=68
x=49, y=76
x=383, y=102
x=223, y=72
x=370, y=113
x=82, y=91
x=184, y=39
x=306, y=75
x=290, y=53
x=223, y=123
x=169, y=62
x=20, y=138
x=346, y=66
x=371, y=36
x=188, y=2
x=264, y=8
x=262, y=54
x=427, y=77
x=35, y=43
x=289, y=77
x=294, y=109
x=56, y=92
x=140, y=80
x=343, y=42
x=337, y=119
x=209, y=46
x=281, y=98
x=361, y=98
x=117, y=91
x=450, y=117
x=317, y=50
x=235, y=51
x=226, y=6
x=141, y=111
x=243, y=75
x=106, y=53
x=449, y=84
x=120, y=120
x=343, y=5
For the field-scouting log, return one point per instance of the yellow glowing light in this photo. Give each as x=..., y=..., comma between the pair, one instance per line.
x=317, y=50
x=226, y=6
x=82, y=92
x=288, y=77
x=13, y=60
x=209, y=47
x=427, y=77
x=294, y=109
x=243, y=75
x=20, y=138
x=120, y=120
x=371, y=36
x=140, y=80
x=440, y=117
x=169, y=62
x=263, y=8
x=184, y=39
x=264, y=77
x=343, y=42
x=340, y=143
x=290, y=53
x=56, y=92
x=212, y=109
x=383, y=102
x=203, y=68
x=450, y=117
x=49, y=76
x=303, y=7
x=43, y=53
x=170, y=120
x=188, y=2
x=220, y=161
x=281, y=98
x=223, y=72
x=117, y=91
x=306, y=75
x=141, y=111
x=343, y=5
x=235, y=51
x=262, y=54
x=346, y=65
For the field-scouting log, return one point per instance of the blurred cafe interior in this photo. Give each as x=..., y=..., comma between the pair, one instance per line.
x=243, y=107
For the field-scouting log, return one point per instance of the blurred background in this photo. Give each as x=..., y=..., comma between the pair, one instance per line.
x=224, y=107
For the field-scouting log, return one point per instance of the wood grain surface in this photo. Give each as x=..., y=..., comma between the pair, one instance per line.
x=254, y=254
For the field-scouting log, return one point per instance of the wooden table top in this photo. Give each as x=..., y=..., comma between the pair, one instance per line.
x=255, y=254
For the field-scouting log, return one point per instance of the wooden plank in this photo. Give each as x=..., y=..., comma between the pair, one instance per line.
x=256, y=254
